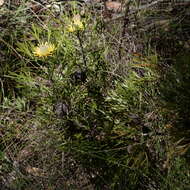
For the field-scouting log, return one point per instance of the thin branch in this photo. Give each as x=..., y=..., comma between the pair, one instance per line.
x=82, y=49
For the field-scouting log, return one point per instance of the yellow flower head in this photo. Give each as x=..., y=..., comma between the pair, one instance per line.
x=44, y=49
x=76, y=24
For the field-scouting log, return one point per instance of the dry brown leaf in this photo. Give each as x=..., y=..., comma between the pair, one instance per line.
x=113, y=6
x=1, y=2
x=35, y=171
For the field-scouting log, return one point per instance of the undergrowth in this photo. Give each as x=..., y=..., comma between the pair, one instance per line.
x=83, y=107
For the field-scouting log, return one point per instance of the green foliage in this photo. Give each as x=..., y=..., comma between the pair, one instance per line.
x=175, y=92
x=76, y=117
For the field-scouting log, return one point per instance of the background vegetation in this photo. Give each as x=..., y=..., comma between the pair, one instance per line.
x=108, y=109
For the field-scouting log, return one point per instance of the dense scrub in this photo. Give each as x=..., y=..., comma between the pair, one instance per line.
x=92, y=98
